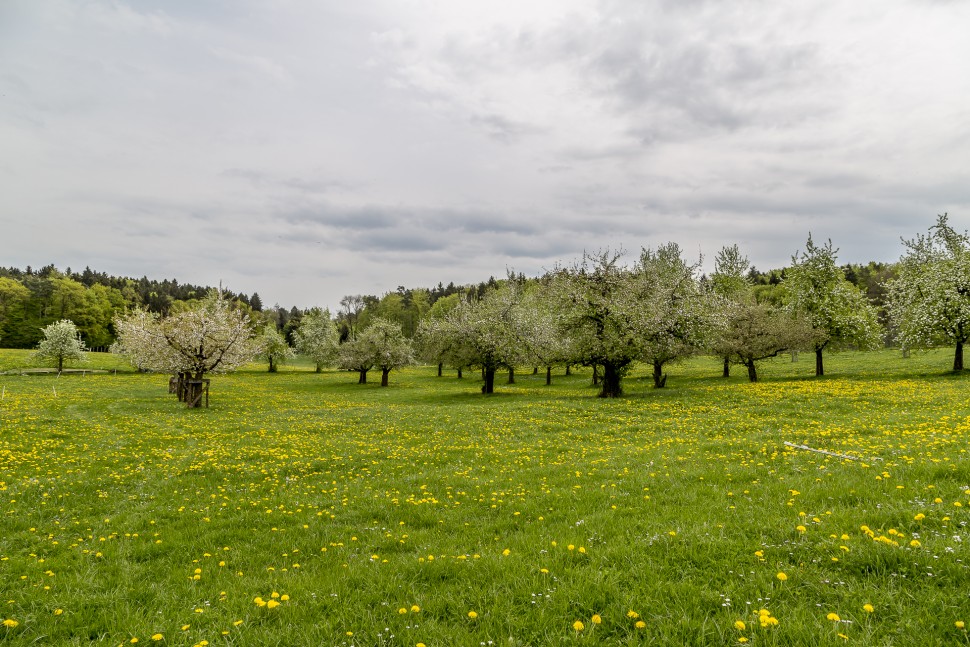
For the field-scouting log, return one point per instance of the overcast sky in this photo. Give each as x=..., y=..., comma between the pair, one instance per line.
x=309, y=149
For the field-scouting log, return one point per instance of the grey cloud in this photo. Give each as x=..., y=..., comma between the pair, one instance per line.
x=502, y=128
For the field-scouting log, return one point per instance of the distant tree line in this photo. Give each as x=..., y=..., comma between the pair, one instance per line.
x=31, y=299
x=600, y=312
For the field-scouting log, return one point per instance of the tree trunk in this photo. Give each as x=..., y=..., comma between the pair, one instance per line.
x=958, y=357
x=596, y=377
x=548, y=375
x=459, y=373
x=60, y=363
x=568, y=370
x=535, y=370
x=319, y=367
x=611, y=382
x=363, y=376
x=384, y=373
x=752, y=371
x=440, y=367
x=727, y=368
x=489, y=386
x=659, y=379
x=272, y=366
x=511, y=375
x=819, y=369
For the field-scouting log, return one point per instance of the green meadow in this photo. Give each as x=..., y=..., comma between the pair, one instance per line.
x=305, y=509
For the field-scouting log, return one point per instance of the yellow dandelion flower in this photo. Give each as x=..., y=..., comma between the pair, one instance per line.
x=472, y=614
x=259, y=602
x=58, y=612
x=640, y=624
x=272, y=604
x=158, y=637
x=284, y=597
x=632, y=614
x=596, y=619
x=739, y=625
x=578, y=626
x=868, y=608
x=10, y=623
x=781, y=576
x=834, y=617
x=506, y=552
x=415, y=609
x=960, y=624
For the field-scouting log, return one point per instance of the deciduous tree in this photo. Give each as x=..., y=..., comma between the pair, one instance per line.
x=274, y=348
x=929, y=301
x=209, y=337
x=317, y=338
x=839, y=314
x=677, y=317
x=758, y=331
x=61, y=343
x=600, y=308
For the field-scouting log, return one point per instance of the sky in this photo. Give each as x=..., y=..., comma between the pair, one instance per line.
x=310, y=149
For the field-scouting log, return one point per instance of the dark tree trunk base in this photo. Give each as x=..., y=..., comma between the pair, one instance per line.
x=489, y=376
x=511, y=376
x=752, y=371
x=548, y=375
x=819, y=369
x=727, y=368
x=611, y=382
x=958, y=357
x=363, y=377
x=384, y=374
x=440, y=367
x=659, y=379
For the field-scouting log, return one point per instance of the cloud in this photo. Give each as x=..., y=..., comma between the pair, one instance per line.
x=309, y=150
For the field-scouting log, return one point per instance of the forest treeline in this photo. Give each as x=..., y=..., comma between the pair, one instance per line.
x=31, y=299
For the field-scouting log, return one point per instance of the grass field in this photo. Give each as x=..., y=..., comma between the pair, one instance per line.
x=304, y=509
